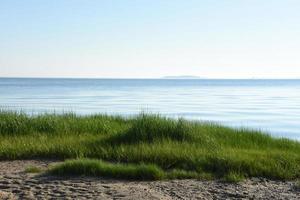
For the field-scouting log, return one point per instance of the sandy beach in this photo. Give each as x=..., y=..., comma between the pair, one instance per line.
x=15, y=183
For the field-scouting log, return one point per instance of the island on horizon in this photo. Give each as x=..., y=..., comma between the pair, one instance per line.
x=183, y=77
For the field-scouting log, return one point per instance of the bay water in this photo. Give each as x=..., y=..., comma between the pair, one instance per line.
x=269, y=105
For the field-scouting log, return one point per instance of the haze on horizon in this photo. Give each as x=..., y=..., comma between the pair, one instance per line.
x=150, y=39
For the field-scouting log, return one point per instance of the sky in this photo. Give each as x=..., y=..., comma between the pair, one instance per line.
x=150, y=38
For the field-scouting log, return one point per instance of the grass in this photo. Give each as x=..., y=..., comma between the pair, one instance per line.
x=174, y=148
x=233, y=177
x=90, y=167
x=33, y=169
x=95, y=167
x=297, y=185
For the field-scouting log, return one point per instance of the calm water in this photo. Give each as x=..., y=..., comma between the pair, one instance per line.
x=271, y=105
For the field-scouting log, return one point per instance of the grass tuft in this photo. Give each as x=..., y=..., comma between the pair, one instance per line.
x=233, y=177
x=92, y=167
x=33, y=169
x=152, y=128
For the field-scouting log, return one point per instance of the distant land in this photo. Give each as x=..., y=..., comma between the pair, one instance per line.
x=182, y=77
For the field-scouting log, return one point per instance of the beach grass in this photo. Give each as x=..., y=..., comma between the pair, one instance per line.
x=96, y=167
x=134, y=147
x=92, y=167
x=297, y=184
x=33, y=169
x=233, y=177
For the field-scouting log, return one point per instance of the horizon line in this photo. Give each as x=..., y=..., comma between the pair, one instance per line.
x=163, y=77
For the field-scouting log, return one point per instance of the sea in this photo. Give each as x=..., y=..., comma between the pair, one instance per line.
x=272, y=106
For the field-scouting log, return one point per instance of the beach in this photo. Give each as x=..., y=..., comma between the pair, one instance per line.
x=145, y=157
x=15, y=183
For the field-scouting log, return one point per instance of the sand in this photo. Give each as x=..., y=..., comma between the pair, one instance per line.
x=15, y=183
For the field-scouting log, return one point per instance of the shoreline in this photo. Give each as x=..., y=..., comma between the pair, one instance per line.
x=15, y=183
x=180, y=159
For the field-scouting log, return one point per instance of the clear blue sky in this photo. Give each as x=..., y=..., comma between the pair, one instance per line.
x=150, y=38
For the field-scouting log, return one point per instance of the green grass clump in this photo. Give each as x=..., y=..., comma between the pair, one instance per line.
x=33, y=169
x=233, y=177
x=180, y=148
x=154, y=128
x=92, y=167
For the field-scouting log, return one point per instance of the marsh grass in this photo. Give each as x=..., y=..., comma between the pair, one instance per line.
x=187, y=148
x=92, y=167
x=153, y=128
x=233, y=177
x=33, y=169
x=297, y=185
